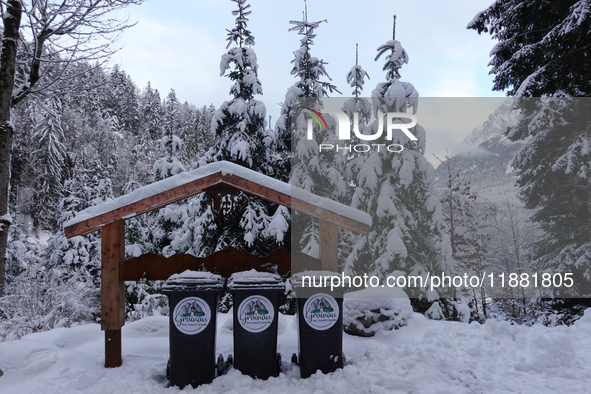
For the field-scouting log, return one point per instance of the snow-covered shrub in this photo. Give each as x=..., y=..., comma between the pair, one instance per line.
x=435, y=312
x=22, y=250
x=225, y=302
x=143, y=299
x=446, y=309
x=40, y=299
x=368, y=311
x=151, y=305
x=287, y=301
x=557, y=312
x=462, y=309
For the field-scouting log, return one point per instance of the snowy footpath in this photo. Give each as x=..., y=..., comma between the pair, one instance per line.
x=426, y=356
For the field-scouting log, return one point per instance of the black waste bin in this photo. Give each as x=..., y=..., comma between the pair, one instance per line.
x=193, y=298
x=255, y=309
x=320, y=324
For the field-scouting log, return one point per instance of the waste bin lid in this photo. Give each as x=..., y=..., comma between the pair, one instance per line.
x=253, y=279
x=194, y=280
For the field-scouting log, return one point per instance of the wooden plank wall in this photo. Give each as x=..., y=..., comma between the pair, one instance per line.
x=225, y=263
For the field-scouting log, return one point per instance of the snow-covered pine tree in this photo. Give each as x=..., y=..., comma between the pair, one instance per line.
x=151, y=112
x=356, y=79
x=554, y=172
x=166, y=221
x=299, y=159
x=310, y=72
x=239, y=125
x=150, y=134
x=121, y=105
x=241, y=121
x=49, y=162
x=171, y=144
x=22, y=252
x=543, y=47
x=353, y=163
x=68, y=288
x=82, y=252
x=544, y=50
x=120, y=101
x=396, y=190
x=197, y=138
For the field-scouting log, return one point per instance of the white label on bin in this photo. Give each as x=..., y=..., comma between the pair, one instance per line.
x=321, y=311
x=256, y=313
x=191, y=315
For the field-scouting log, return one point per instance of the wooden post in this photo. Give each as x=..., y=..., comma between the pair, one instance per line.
x=113, y=348
x=112, y=290
x=329, y=244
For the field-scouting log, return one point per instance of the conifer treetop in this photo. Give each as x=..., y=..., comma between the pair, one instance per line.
x=395, y=60
x=308, y=68
x=356, y=76
x=397, y=57
x=244, y=60
x=240, y=34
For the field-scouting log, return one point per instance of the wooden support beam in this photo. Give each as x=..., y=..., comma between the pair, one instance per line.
x=329, y=246
x=112, y=290
x=328, y=216
x=113, y=348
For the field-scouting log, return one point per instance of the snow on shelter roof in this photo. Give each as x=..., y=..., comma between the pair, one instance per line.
x=222, y=176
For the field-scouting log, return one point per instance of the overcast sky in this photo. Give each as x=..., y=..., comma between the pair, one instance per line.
x=178, y=44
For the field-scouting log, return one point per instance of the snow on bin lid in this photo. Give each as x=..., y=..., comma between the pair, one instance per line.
x=254, y=279
x=194, y=280
x=296, y=279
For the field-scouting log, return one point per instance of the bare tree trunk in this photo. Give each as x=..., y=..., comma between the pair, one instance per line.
x=12, y=21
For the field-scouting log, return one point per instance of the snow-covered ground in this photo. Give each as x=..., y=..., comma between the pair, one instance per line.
x=426, y=356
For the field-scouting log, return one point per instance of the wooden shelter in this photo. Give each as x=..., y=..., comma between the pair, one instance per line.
x=214, y=178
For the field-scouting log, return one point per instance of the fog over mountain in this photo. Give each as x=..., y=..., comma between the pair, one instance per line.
x=486, y=155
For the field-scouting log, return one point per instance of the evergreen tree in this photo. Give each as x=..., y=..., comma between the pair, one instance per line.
x=79, y=254
x=544, y=50
x=362, y=107
x=309, y=71
x=49, y=162
x=73, y=265
x=169, y=219
x=543, y=47
x=23, y=251
x=396, y=190
x=151, y=131
x=197, y=138
x=240, y=122
x=151, y=112
x=553, y=170
x=171, y=144
x=239, y=125
x=120, y=101
x=298, y=158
